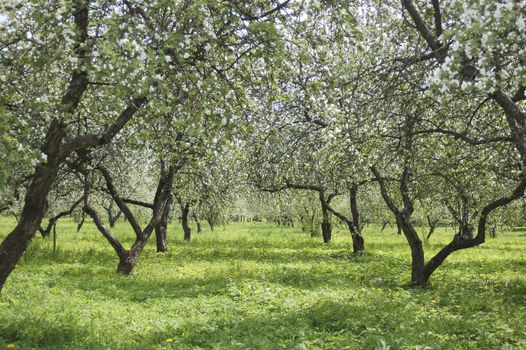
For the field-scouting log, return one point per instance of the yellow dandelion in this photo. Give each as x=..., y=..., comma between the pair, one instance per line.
x=11, y=346
x=434, y=301
x=169, y=340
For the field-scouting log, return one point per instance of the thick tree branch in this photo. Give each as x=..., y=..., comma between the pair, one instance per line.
x=424, y=31
x=520, y=94
x=92, y=140
x=383, y=191
x=138, y=203
x=250, y=17
x=438, y=17
x=114, y=242
x=79, y=79
x=120, y=203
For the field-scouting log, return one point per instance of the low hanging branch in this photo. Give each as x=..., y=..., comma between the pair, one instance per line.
x=53, y=221
x=138, y=203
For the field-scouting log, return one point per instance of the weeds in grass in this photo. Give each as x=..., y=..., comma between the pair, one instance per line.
x=258, y=286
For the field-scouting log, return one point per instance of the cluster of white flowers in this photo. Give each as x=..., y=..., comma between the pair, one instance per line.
x=489, y=35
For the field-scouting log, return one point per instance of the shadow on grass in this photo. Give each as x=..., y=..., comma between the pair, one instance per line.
x=294, y=264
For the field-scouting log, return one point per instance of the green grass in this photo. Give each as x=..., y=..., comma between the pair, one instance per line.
x=259, y=286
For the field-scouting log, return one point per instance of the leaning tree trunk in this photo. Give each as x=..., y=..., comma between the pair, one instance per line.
x=184, y=222
x=35, y=205
x=419, y=276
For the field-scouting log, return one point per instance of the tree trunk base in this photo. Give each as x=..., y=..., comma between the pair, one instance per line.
x=358, y=244
x=126, y=266
x=326, y=231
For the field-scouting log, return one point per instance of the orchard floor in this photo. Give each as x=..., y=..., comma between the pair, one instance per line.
x=259, y=286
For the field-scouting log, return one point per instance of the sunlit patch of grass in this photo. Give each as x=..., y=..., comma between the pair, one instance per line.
x=259, y=286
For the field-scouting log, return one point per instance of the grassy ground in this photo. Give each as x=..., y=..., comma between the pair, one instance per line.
x=258, y=286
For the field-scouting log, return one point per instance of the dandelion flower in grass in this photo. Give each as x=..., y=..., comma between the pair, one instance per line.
x=169, y=340
x=11, y=346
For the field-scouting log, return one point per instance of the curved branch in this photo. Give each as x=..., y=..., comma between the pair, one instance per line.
x=53, y=221
x=120, y=203
x=457, y=244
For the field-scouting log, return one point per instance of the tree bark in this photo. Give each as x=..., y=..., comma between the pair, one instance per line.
x=162, y=227
x=355, y=213
x=432, y=226
x=198, y=223
x=111, y=217
x=418, y=275
x=398, y=226
x=35, y=204
x=358, y=242
x=326, y=228
x=185, y=209
x=210, y=223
